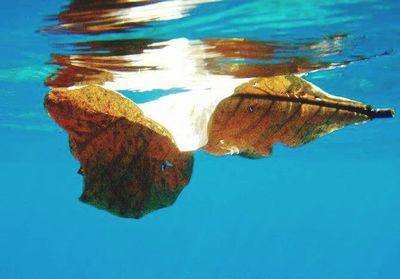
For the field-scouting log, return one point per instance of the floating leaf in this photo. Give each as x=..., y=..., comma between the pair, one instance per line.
x=285, y=109
x=130, y=163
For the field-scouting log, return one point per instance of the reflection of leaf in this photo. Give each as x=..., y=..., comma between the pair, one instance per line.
x=130, y=163
x=104, y=16
x=284, y=109
x=143, y=64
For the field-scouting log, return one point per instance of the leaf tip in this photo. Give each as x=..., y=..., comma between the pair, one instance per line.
x=382, y=113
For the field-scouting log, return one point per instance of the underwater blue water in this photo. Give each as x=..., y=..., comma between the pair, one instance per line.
x=329, y=209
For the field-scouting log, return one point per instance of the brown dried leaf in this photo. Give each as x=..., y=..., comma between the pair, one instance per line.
x=130, y=163
x=284, y=109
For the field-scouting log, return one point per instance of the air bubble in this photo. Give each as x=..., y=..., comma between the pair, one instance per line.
x=166, y=164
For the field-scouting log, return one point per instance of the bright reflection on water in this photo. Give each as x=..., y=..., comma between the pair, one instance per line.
x=155, y=52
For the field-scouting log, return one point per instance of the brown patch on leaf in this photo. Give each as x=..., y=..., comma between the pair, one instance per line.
x=284, y=109
x=130, y=163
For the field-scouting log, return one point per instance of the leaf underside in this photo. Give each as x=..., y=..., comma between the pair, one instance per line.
x=132, y=165
x=284, y=109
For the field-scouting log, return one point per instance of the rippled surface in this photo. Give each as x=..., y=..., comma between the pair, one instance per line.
x=144, y=64
x=326, y=210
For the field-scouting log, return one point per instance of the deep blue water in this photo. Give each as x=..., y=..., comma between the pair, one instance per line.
x=328, y=209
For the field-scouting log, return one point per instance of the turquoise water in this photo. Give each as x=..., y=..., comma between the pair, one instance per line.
x=328, y=209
